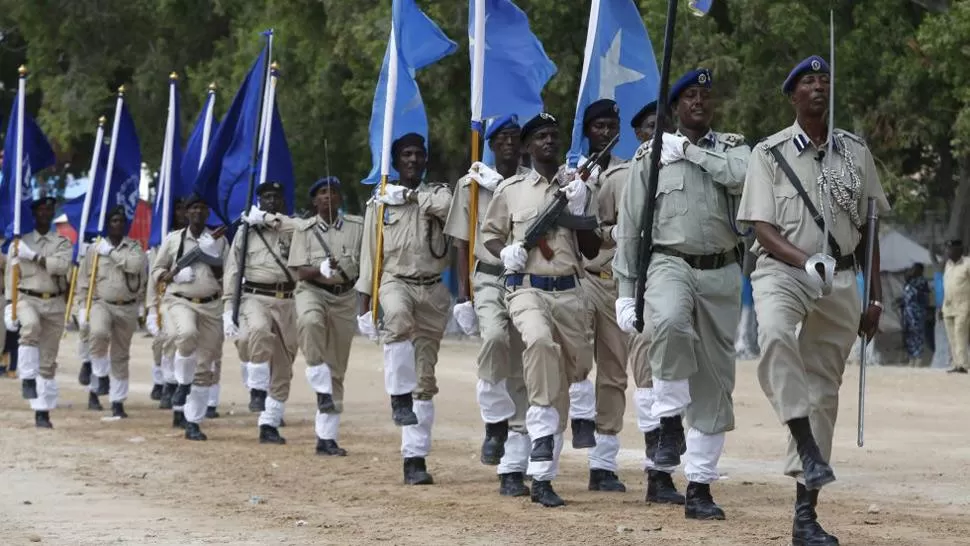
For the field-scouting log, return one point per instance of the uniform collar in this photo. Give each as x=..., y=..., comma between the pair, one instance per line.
x=707, y=141
x=337, y=224
x=801, y=141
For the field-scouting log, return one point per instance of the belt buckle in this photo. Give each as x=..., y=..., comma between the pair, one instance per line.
x=279, y=295
x=606, y=275
x=197, y=300
x=45, y=296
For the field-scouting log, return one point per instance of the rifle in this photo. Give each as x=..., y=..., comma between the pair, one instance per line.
x=866, y=296
x=190, y=258
x=554, y=215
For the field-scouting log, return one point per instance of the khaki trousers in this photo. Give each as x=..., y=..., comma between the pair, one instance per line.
x=197, y=329
x=111, y=328
x=268, y=333
x=41, y=326
x=801, y=374
x=557, y=352
x=695, y=317
x=416, y=313
x=958, y=336
x=611, y=351
x=326, y=324
x=500, y=355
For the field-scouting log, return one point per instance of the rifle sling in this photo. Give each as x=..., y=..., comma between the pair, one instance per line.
x=323, y=244
x=276, y=258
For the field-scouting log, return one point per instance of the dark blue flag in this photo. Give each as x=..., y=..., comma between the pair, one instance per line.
x=37, y=155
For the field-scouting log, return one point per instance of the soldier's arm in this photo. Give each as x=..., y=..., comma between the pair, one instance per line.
x=163, y=261
x=457, y=227
x=368, y=246
x=59, y=262
x=757, y=207
x=727, y=168
x=283, y=223
x=299, y=259
x=606, y=204
x=497, y=224
x=229, y=274
x=435, y=201
x=628, y=227
x=130, y=260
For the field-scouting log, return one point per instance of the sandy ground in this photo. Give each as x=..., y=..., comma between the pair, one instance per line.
x=136, y=481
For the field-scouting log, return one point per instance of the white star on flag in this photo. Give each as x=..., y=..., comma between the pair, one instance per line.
x=612, y=73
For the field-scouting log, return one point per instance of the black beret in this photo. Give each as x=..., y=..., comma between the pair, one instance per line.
x=410, y=139
x=541, y=120
x=193, y=199
x=45, y=200
x=118, y=210
x=637, y=120
x=603, y=108
x=269, y=186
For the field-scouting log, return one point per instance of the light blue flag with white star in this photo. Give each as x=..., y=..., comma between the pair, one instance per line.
x=620, y=65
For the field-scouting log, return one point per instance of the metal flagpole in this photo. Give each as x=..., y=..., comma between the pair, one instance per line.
x=478, y=90
x=85, y=212
x=390, y=96
x=19, y=191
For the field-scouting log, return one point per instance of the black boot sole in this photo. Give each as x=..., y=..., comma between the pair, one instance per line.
x=819, y=479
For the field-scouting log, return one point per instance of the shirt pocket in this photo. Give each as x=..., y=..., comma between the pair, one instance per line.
x=522, y=220
x=395, y=229
x=671, y=197
x=789, y=205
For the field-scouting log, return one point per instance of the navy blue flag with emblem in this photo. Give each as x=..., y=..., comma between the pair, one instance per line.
x=189, y=169
x=37, y=155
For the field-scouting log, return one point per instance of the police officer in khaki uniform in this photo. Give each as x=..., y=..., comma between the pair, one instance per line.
x=801, y=372
x=693, y=286
x=325, y=257
x=544, y=299
x=956, y=304
x=113, y=315
x=414, y=300
x=44, y=258
x=267, y=316
x=502, y=396
x=193, y=300
x=163, y=345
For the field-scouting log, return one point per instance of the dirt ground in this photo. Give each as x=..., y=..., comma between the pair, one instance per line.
x=136, y=481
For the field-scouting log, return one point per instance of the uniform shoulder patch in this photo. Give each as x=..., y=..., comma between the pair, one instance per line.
x=853, y=137
x=641, y=151
x=731, y=139
x=620, y=167
x=770, y=142
x=308, y=223
x=353, y=218
x=514, y=179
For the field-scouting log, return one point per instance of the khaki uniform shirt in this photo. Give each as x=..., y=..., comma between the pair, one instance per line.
x=770, y=197
x=261, y=260
x=120, y=274
x=694, y=207
x=411, y=231
x=206, y=283
x=517, y=203
x=607, y=190
x=458, y=220
x=343, y=238
x=956, y=288
x=56, y=250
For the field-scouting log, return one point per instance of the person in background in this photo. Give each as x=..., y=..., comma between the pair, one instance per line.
x=956, y=304
x=914, y=303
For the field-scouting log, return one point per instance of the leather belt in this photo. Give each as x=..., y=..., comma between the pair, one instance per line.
x=842, y=263
x=420, y=281
x=548, y=284
x=41, y=295
x=200, y=301
x=335, y=289
x=605, y=275
x=281, y=290
x=703, y=261
x=270, y=293
x=119, y=302
x=489, y=269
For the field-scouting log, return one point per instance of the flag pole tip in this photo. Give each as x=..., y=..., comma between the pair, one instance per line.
x=212, y=87
x=102, y=120
x=174, y=76
x=22, y=70
x=121, y=89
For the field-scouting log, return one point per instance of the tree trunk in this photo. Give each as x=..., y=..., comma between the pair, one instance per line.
x=958, y=226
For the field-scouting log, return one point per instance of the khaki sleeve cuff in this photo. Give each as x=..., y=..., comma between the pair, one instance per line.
x=626, y=289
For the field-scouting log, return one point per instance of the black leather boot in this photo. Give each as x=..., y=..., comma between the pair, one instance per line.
x=212, y=412
x=700, y=504
x=325, y=403
x=181, y=393
x=94, y=404
x=415, y=472
x=118, y=410
x=104, y=386
x=805, y=530
x=815, y=469
x=193, y=432
x=605, y=480
x=661, y=488
x=583, y=430
x=330, y=448
x=650, y=441
x=269, y=435
x=168, y=391
x=178, y=419
x=156, y=393
x=542, y=449
x=493, y=448
x=42, y=419
x=402, y=410
x=84, y=376
x=671, y=443
x=28, y=389
x=543, y=493
x=512, y=484
x=257, y=400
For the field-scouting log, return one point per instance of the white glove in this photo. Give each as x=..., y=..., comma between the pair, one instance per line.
x=184, y=276
x=82, y=321
x=255, y=217
x=393, y=195
x=821, y=270
x=365, y=323
x=673, y=148
x=105, y=247
x=326, y=269
x=465, y=317
x=576, y=193
x=12, y=324
x=514, y=257
x=613, y=232
x=229, y=328
x=209, y=245
x=484, y=176
x=24, y=252
x=151, y=322
x=626, y=314
x=82, y=249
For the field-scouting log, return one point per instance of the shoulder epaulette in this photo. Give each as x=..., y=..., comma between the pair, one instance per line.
x=858, y=139
x=771, y=141
x=616, y=168
x=642, y=151
x=514, y=179
x=731, y=139
x=353, y=218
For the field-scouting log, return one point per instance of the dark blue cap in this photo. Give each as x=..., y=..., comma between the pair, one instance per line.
x=603, y=108
x=701, y=77
x=811, y=65
x=325, y=182
x=510, y=121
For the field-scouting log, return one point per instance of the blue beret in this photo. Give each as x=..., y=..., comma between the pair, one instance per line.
x=326, y=181
x=269, y=186
x=701, y=77
x=811, y=65
x=603, y=108
x=510, y=121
